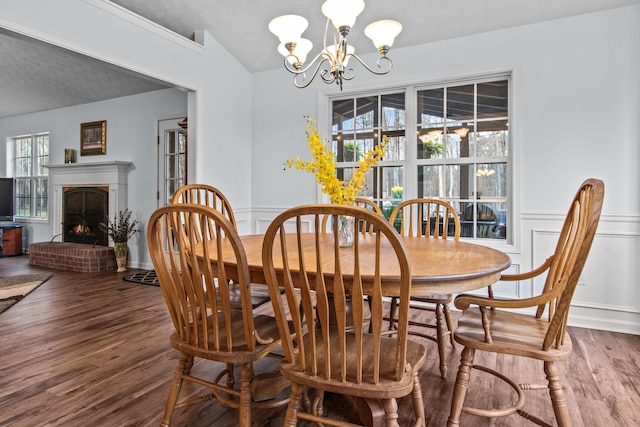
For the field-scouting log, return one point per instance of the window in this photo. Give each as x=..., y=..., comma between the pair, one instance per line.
x=31, y=156
x=460, y=152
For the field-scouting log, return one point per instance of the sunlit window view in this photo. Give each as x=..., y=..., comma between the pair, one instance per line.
x=459, y=149
x=31, y=156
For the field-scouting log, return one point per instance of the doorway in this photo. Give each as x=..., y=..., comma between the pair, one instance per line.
x=172, y=157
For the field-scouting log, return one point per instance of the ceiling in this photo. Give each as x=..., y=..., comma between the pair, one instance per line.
x=38, y=77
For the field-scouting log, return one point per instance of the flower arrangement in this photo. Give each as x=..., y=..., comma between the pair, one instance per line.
x=324, y=168
x=122, y=228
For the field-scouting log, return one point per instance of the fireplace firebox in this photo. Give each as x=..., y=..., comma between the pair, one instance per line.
x=84, y=208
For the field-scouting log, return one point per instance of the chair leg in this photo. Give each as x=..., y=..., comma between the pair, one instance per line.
x=189, y=365
x=418, y=401
x=440, y=338
x=231, y=380
x=184, y=362
x=461, y=386
x=390, y=412
x=557, y=395
x=317, y=407
x=246, y=373
x=449, y=319
x=291, y=417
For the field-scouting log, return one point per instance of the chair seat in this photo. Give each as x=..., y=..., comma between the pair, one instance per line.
x=511, y=333
x=387, y=388
x=265, y=326
x=259, y=295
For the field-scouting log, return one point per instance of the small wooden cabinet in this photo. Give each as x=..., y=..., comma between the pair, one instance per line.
x=11, y=243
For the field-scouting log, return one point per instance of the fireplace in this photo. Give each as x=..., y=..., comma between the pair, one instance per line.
x=73, y=219
x=110, y=177
x=84, y=208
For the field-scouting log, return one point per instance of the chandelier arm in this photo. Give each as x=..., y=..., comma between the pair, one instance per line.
x=291, y=67
x=379, y=73
x=306, y=82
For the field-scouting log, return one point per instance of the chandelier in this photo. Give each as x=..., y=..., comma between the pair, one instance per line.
x=334, y=57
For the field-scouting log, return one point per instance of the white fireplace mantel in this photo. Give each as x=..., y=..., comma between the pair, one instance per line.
x=105, y=174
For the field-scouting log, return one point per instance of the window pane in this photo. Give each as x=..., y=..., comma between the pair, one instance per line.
x=42, y=144
x=491, y=139
x=493, y=99
x=393, y=111
x=395, y=149
x=23, y=157
x=429, y=181
x=460, y=103
x=343, y=116
x=491, y=180
x=392, y=178
x=430, y=145
x=430, y=106
x=23, y=197
x=41, y=198
x=366, y=114
x=483, y=220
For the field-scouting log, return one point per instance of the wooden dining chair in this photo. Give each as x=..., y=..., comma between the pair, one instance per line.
x=430, y=218
x=198, y=299
x=541, y=336
x=208, y=195
x=337, y=354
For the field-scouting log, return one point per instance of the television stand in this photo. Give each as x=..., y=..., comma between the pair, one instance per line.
x=11, y=242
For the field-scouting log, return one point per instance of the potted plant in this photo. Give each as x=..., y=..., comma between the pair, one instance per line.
x=431, y=148
x=120, y=231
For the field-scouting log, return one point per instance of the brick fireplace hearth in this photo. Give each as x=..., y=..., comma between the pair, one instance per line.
x=78, y=257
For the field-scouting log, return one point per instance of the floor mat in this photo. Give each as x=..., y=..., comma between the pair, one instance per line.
x=146, y=278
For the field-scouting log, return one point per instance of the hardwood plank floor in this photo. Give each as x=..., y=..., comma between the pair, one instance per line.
x=88, y=349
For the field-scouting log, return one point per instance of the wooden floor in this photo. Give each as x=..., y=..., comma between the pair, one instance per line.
x=88, y=349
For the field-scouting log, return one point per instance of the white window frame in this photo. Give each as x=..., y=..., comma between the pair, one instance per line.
x=12, y=171
x=512, y=73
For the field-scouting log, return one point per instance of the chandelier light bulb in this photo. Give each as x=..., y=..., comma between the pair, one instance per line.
x=288, y=28
x=342, y=13
x=383, y=33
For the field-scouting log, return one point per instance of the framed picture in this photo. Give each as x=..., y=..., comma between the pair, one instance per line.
x=93, y=138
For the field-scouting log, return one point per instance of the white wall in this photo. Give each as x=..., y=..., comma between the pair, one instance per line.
x=577, y=116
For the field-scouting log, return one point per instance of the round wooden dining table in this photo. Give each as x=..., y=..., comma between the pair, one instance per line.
x=438, y=267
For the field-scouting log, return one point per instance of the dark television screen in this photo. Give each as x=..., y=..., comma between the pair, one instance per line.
x=6, y=199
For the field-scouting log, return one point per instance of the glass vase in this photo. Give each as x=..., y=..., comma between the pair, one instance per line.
x=345, y=231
